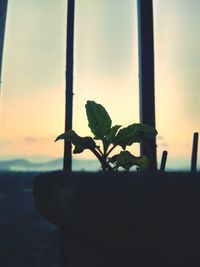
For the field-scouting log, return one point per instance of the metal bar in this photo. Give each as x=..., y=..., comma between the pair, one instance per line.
x=163, y=161
x=67, y=164
x=194, y=152
x=3, y=12
x=146, y=70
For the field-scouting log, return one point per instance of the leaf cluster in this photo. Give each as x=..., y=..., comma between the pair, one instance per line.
x=100, y=125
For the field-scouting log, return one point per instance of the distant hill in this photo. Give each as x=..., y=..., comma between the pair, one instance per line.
x=77, y=165
x=56, y=164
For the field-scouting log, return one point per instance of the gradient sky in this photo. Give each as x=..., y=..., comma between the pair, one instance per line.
x=106, y=70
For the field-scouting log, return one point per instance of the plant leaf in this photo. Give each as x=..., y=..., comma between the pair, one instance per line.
x=80, y=143
x=148, y=131
x=112, y=133
x=126, y=160
x=143, y=163
x=134, y=133
x=98, y=119
x=78, y=149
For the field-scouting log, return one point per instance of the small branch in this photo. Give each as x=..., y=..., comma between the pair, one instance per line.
x=163, y=161
x=99, y=150
x=194, y=152
x=109, y=151
x=102, y=159
x=97, y=154
x=104, y=148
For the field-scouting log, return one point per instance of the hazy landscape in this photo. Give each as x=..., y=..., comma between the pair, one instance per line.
x=51, y=164
x=47, y=165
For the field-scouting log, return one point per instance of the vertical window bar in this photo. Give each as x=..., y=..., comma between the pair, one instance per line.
x=3, y=12
x=67, y=165
x=146, y=70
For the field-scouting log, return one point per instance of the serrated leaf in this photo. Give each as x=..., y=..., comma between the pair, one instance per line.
x=62, y=136
x=127, y=136
x=78, y=149
x=112, y=133
x=148, y=131
x=80, y=143
x=134, y=133
x=143, y=163
x=126, y=160
x=99, y=121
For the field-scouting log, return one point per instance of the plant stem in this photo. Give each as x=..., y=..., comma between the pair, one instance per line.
x=100, y=158
x=97, y=154
x=100, y=152
x=105, y=147
x=109, y=151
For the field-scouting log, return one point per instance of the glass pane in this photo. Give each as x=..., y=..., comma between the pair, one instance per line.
x=32, y=107
x=106, y=62
x=177, y=63
x=106, y=71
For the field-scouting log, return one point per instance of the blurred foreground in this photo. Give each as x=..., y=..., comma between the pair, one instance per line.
x=26, y=239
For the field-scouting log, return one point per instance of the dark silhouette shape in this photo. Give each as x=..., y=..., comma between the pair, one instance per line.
x=146, y=69
x=69, y=83
x=194, y=152
x=123, y=219
x=3, y=12
x=163, y=161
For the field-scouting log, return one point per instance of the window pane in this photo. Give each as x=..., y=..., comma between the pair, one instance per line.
x=32, y=108
x=177, y=63
x=106, y=62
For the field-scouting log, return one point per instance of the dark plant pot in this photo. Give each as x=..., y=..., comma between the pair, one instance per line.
x=123, y=219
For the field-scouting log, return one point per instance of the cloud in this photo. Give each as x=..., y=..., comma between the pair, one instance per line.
x=160, y=137
x=5, y=142
x=164, y=145
x=161, y=142
x=33, y=139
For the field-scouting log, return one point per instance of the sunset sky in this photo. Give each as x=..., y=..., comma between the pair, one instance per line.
x=106, y=70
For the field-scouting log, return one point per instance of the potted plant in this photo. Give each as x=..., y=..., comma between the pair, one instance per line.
x=113, y=218
x=111, y=137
